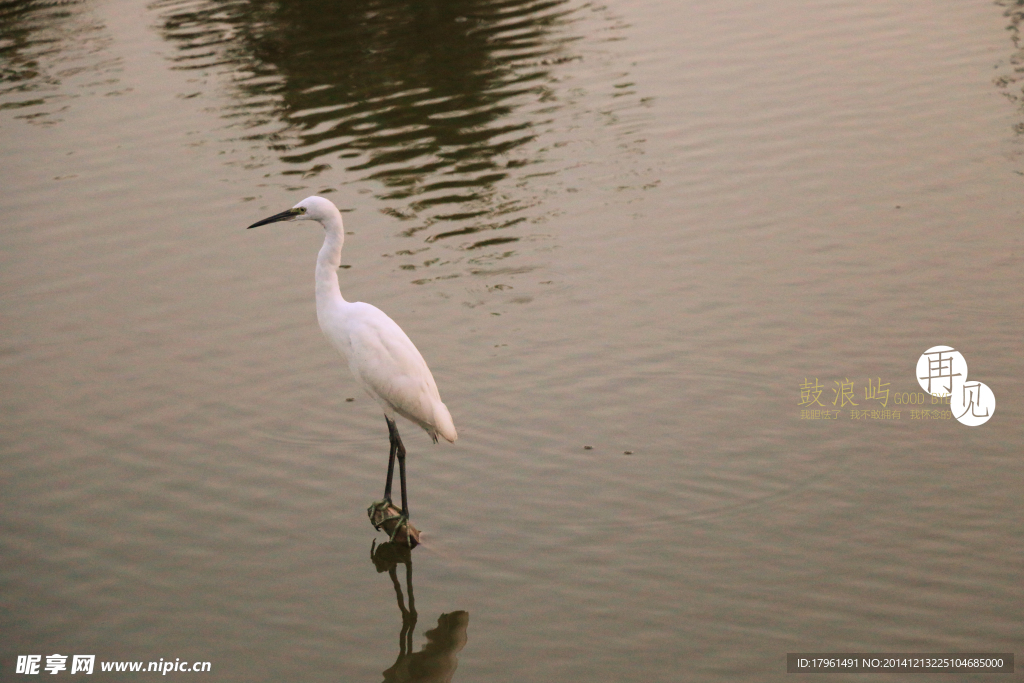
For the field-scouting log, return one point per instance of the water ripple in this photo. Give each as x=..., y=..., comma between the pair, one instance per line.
x=45, y=46
x=454, y=117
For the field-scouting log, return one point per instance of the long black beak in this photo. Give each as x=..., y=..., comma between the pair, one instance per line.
x=283, y=216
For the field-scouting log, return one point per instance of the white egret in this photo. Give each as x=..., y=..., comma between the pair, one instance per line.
x=380, y=355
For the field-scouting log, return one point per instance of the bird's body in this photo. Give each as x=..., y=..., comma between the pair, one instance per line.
x=386, y=364
x=380, y=355
x=382, y=358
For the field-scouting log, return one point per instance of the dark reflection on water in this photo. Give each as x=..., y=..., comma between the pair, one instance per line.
x=1009, y=81
x=42, y=45
x=437, y=661
x=445, y=109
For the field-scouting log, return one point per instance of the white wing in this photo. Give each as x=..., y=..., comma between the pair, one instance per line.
x=391, y=369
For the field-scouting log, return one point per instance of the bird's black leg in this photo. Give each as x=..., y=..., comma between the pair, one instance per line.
x=397, y=450
x=383, y=505
x=396, y=439
x=395, y=442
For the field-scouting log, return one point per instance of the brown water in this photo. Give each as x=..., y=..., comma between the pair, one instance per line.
x=637, y=227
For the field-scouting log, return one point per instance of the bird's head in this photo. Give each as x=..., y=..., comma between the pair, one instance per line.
x=309, y=209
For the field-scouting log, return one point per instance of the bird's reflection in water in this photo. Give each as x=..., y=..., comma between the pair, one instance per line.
x=437, y=661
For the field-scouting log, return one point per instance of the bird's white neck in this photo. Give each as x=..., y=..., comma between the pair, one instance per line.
x=328, y=261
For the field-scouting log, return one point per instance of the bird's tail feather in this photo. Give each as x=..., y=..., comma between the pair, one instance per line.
x=443, y=421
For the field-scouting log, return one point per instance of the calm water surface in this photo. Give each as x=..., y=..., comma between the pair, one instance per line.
x=622, y=235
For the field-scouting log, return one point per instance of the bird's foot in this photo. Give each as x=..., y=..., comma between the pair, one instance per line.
x=402, y=525
x=381, y=512
x=386, y=517
x=379, y=506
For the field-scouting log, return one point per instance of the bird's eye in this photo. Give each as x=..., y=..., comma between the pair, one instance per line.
x=302, y=209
